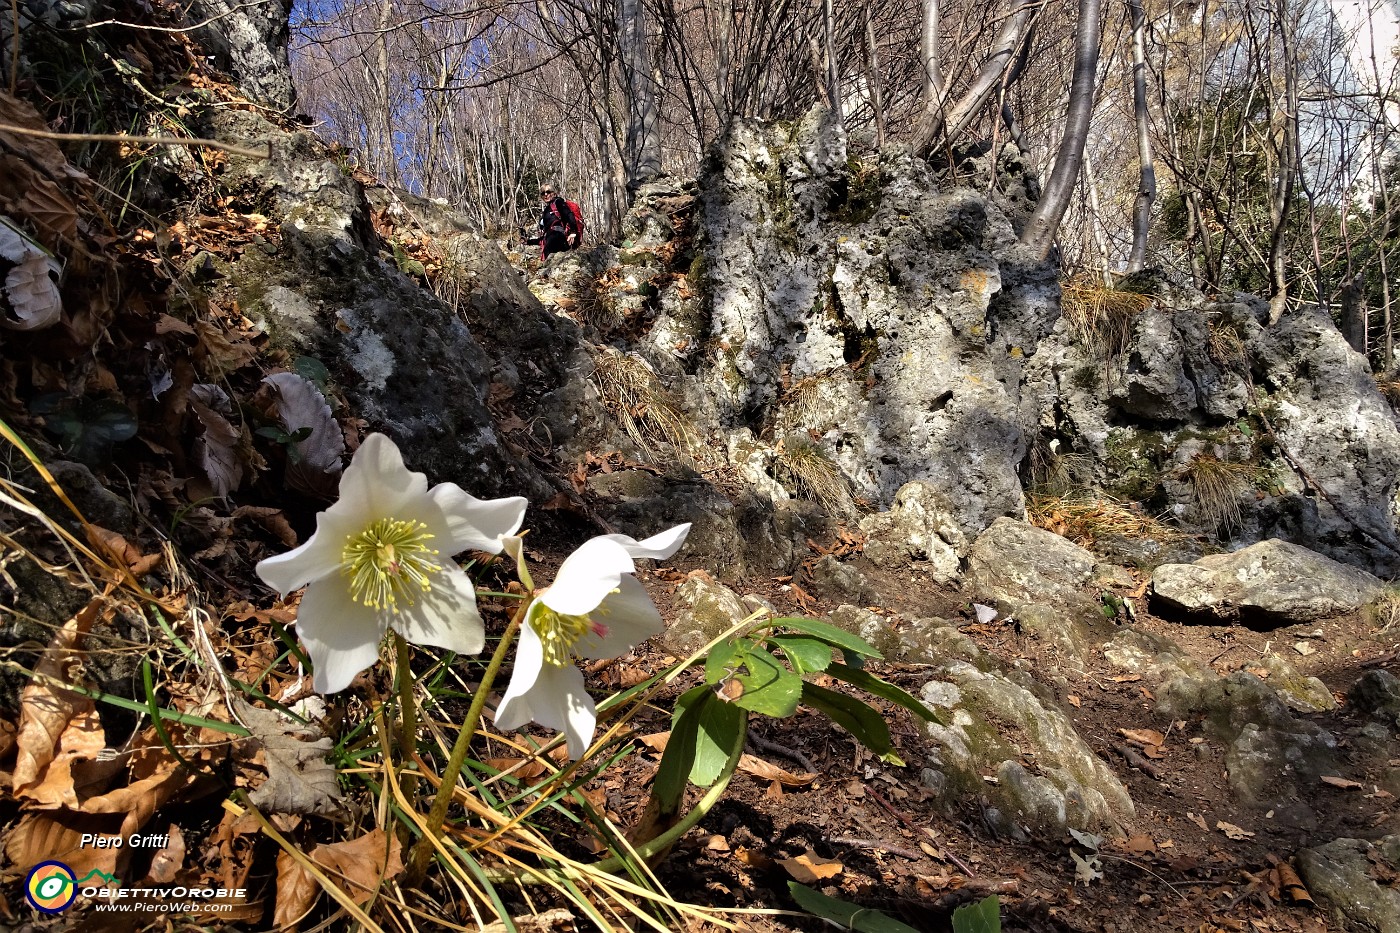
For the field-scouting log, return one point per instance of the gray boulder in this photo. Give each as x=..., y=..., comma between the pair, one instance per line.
x=843, y=583
x=1342, y=877
x=919, y=526
x=1039, y=577
x=1271, y=756
x=1072, y=786
x=408, y=364
x=704, y=609
x=870, y=310
x=249, y=41
x=1270, y=583
x=1310, y=449
x=1014, y=562
x=1377, y=694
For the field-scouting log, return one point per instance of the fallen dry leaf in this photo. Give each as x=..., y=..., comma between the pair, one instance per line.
x=297, y=890
x=1341, y=782
x=809, y=867
x=57, y=834
x=753, y=858
x=656, y=741
x=216, y=450
x=771, y=772
x=1140, y=844
x=299, y=779
x=1292, y=885
x=1232, y=831
x=1143, y=736
x=1198, y=820
x=168, y=861
x=47, y=710
x=358, y=866
x=522, y=768
x=1073, y=700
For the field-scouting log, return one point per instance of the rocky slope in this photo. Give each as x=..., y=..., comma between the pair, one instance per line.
x=846, y=374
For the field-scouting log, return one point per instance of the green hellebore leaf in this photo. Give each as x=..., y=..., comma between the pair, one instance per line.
x=845, y=914
x=678, y=759
x=806, y=655
x=883, y=689
x=850, y=645
x=769, y=688
x=308, y=367
x=982, y=917
x=721, y=662
x=857, y=718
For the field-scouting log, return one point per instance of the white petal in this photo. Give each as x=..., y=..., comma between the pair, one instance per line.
x=341, y=636
x=658, y=546
x=629, y=617
x=445, y=615
x=529, y=658
x=557, y=701
x=319, y=556
x=515, y=709
x=376, y=483
x=478, y=524
x=586, y=576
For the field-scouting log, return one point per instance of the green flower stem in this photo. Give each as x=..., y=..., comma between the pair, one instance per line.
x=408, y=709
x=651, y=847
x=423, y=849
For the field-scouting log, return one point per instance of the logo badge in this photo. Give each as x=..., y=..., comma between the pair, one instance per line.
x=50, y=887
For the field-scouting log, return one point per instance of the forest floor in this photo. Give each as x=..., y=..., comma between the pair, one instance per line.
x=904, y=852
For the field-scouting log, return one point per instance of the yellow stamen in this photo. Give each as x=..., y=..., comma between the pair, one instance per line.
x=559, y=633
x=384, y=559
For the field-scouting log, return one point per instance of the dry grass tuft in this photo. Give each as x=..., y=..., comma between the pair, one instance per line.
x=1101, y=317
x=1057, y=474
x=1389, y=384
x=1084, y=519
x=807, y=472
x=647, y=412
x=1226, y=347
x=1217, y=486
x=1384, y=611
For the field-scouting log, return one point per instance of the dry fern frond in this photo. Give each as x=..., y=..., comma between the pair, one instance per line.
x=1217, y=486
x=1101, y=317
x=807, y=472
x=643, y=407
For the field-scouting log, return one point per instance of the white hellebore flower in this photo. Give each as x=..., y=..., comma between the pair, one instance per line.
x=380, y=558
x=595, y=609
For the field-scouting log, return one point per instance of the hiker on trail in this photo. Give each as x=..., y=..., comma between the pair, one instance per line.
x=561, y=227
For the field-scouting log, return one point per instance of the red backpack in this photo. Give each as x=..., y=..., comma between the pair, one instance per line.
x=575, y=222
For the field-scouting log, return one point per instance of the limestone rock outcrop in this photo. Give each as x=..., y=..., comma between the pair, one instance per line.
x=1270, y=583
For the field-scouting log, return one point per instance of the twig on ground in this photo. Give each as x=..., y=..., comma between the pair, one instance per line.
x=1139, y=762
x=900, y=818
x=876, y=844
x=777, y=748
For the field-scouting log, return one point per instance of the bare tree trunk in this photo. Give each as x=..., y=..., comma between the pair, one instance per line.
x=1095, y=220
x=833, y=66
x=1287, y=115
x=872, y=71
x=643, y=151
x=1040, y=230
x=938, y=120
x=1147, y=175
